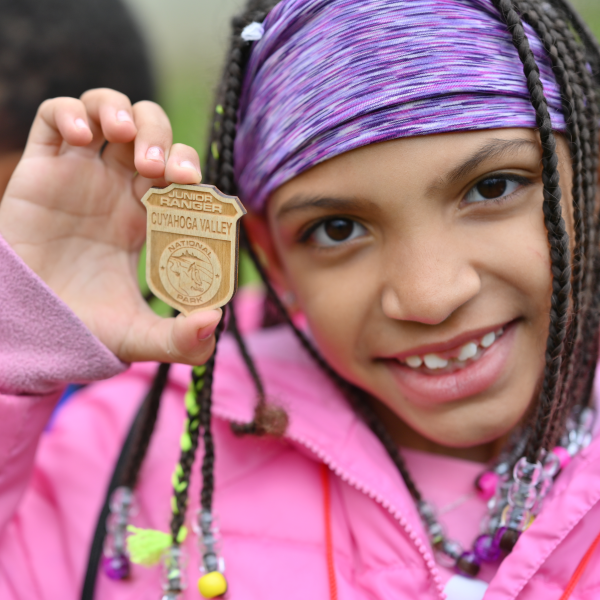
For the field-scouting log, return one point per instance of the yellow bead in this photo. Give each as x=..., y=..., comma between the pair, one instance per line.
x=212, y=584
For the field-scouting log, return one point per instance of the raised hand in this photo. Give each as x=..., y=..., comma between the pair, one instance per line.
x=72, y=212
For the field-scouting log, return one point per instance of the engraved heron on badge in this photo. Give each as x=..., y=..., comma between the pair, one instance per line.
x=190, y=270
x=189, y=273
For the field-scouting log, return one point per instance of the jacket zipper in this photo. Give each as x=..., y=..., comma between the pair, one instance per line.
x=410, y=532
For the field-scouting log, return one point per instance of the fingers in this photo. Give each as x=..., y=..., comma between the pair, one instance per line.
x=188, y=340
x=155, y=158
x=183, y=165
x=106, y=115
x=111, y=117
x=99, y=115
x=153, y=141
x=58, y=120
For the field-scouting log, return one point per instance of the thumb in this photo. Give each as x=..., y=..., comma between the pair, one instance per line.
x=188, y=340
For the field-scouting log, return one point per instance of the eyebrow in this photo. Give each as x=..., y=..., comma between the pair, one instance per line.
x=305, y=203
x=494, y=149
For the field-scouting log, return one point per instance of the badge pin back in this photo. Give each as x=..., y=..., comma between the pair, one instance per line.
x=192, y=245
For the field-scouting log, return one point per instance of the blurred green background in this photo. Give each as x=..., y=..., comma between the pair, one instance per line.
x=187, y=40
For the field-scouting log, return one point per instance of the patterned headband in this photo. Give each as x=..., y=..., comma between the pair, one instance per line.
x=329, y=76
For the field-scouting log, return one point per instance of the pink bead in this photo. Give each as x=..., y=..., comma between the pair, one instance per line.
x=564, y=458
x=487, y=485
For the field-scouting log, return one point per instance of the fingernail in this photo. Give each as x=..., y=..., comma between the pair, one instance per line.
x=206, y=332
x=81, y=124
x=123, y=115
x=186, y=164
x=155, y=153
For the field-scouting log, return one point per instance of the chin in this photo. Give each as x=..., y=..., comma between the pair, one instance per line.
x=467, y=430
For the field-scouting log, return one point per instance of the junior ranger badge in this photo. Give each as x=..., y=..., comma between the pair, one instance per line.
x=192, y=245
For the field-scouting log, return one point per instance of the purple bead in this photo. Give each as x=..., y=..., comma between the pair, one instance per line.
x=468, y=564
x=116, y=567
x=486, y=548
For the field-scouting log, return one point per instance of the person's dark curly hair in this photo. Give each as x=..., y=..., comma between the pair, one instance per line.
x=51, y=48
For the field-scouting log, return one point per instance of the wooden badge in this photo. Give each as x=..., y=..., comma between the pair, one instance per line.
x=192, y=245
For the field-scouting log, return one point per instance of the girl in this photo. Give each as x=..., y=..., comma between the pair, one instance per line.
x=422, y=183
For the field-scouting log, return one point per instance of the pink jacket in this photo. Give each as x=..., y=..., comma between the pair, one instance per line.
x=269, y=493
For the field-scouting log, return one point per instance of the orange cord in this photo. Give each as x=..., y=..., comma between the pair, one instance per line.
x=580, y=569
x=328, y=537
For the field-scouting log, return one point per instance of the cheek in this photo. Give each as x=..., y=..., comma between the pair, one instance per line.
x=338, y=302
x=522, y=263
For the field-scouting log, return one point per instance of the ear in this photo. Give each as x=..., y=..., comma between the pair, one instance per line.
x=260, y=238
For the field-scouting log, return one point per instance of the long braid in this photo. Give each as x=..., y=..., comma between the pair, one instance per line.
x=583, y=31
x=208, y=457
x=576, y=120
x=589, y=353
x=268, y=418
x=220, y=167
x=555, y=225
x=145, y=430
x=582, y=115
x=188, y=447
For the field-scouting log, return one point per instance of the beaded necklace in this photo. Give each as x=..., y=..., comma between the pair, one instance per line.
x=515, y=497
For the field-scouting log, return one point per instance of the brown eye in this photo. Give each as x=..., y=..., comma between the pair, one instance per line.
x=339, y=229
x=336, y=231
x=492, y=188
x=495, y=188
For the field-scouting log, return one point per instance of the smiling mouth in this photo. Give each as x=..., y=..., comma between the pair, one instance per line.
x=453, y=359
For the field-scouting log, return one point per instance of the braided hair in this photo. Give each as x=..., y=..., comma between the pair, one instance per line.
x=572, y=344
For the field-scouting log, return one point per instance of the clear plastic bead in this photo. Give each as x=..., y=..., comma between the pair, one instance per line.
x=502, y=469
x=205, y=521
x=522, y=494
x=123, y=500
x=448, y=554
x=527, y=472
x=551, y=465
x=587, y=418
x=427, y=511
x=174, y=562
x=516, y=517
x=435, y=531
x=544, y=486
x=116, y=520
x=492, y=524
x=109, y=548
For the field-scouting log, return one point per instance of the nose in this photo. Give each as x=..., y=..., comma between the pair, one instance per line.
x=427, y=281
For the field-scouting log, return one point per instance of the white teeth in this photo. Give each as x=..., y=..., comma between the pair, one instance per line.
x=468, y=351
x=414, y=361
x=471, y=350
x=488, y=339
x=433, y=361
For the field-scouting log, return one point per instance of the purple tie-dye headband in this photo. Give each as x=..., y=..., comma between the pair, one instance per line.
x=329, y=76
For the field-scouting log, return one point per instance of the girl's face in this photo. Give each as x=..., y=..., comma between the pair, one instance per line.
x=422, y=267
